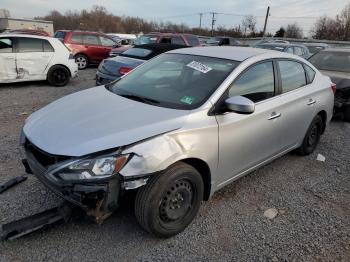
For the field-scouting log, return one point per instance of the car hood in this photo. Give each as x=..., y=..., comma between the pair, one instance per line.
x=96, y=119
x=341, y=79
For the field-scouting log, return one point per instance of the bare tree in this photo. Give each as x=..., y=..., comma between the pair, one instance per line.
x=294, y=31
x=249, y=25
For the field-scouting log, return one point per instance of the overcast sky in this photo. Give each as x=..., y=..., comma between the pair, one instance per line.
x=186, y=11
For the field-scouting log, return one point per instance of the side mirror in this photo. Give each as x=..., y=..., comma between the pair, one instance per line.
x=240, y=104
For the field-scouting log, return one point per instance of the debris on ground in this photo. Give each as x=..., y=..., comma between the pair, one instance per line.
x=321, y=158
x=271, y=213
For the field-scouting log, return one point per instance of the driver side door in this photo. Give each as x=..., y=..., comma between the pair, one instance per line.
x=246, y=141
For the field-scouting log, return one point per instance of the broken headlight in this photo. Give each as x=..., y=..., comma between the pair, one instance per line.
x=94, y=168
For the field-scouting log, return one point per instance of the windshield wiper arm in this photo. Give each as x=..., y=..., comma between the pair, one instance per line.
x=140, y=98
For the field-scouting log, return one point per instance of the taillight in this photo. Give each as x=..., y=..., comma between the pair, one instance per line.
x=124, y=70
x=334, y=87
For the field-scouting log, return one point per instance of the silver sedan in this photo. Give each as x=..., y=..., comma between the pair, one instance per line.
x=177, y=129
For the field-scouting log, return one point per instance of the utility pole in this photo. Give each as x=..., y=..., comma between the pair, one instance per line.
x=266, y=18
x=200, y=20
x=213, y=20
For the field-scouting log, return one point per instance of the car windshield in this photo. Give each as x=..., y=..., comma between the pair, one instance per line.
x=136, y=52
x=145, y=39
x=271, y=47
x=213, y=40
x=315, y=49
x=332, y=61
x=174, y=80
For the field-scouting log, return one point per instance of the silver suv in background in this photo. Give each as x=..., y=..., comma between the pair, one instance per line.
x=177, y=129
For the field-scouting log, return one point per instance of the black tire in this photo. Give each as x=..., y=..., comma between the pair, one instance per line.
x=346, y=116
x=58, y=76
x=170, y=200
x=312, y=137
x=82, y=61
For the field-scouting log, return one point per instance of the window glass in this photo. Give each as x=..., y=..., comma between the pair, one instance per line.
x=310, y=73
x=177, y=40
x=332, y=61
x=257, y=83
x=292, y=74
x=90, y=40
x=175, y=80
x=137, y=52
x=298, y=51
x=225, y=41
x=165, y=40
x=29, y=45
x=5, y=45
x=290, y=50
x=47, y=46
x=106, y=41
x=146, y=39
x=60, y=34
x=77, y=38
x=192, y=40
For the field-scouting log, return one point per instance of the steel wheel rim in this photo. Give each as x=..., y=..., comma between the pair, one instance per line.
x=177, y=201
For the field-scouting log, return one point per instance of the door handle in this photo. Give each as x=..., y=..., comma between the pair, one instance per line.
x=274, y=115
x=311, y=102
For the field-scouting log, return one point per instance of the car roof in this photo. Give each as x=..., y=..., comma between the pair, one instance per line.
x=228, y=52
x=281, y=44
x=160, y=46
x=25, y=35
x=316, y=44
x=344, y=49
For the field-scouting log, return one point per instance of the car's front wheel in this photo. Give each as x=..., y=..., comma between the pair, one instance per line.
x=58, y=76
x=312, y=137
x=82, y=61
x=170, y=200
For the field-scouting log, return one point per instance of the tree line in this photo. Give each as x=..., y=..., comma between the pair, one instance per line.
x=99, y=19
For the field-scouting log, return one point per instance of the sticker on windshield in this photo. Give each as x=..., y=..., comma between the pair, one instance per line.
x=199, y=67
x=187, y=100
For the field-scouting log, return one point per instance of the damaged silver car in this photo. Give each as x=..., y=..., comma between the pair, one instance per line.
x=177, y=129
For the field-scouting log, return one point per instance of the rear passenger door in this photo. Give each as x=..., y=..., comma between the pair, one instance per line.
x=299, y=101
x=8, y=70
x=95, y=51
x=33, y=56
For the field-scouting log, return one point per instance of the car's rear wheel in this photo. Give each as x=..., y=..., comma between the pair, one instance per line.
x=312, y=137
x=170, y=200
x=82, y=61
x=58, y=76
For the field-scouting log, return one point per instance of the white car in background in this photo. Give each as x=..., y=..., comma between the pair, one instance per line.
x=32, y=58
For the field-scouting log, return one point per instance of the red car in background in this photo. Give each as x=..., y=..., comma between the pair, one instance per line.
x=29, y=32
x=162, y=38
x=87, y=47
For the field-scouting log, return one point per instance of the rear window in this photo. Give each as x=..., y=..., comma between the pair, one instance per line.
x=332, y=61
x=192, y=40
x=91, y=40
x=292, y=75
x=60, y=34
x=145, y=39
x=137, y=52
x=27, y=45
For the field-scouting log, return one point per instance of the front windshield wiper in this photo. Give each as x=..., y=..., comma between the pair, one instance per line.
x=140, y=98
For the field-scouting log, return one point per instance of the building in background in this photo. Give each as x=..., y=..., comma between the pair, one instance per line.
x=7, y=23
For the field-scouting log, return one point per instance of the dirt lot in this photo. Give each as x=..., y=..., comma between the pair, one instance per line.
x=312, y=197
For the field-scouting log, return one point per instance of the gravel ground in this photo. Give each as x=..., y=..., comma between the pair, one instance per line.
x=312, y=199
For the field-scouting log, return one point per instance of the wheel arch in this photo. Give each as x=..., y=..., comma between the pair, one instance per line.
x=203, y=168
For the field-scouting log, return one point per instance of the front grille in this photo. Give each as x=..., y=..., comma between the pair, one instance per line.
x=44, y=158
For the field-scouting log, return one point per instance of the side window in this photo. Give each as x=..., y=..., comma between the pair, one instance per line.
x=90, y=40
x=225, y=41
x=165, y=40
x=257, y=83
x=298, y=51
x=177, y=40
x=290, y=50
x=192, y=40
x=27, y=45
x=6, y=45
x=76, y=38
x=310, y=73
x=292, y=75
x=106, y=41
x=47, y=46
